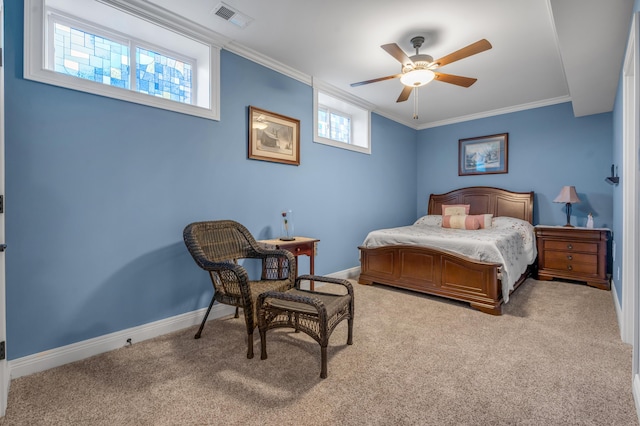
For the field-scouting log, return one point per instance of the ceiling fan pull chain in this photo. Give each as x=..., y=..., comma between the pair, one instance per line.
x=415, y=103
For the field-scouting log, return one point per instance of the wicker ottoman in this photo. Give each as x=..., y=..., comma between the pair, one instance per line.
x=316, y=313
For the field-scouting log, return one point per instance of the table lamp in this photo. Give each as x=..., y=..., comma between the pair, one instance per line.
x=568, y=195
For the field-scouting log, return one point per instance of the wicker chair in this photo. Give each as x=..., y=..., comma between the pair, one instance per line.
x=314, y=312
x=216, y=247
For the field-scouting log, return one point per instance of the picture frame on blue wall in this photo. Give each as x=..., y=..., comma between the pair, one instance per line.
x=273, y=137
x=483, y=155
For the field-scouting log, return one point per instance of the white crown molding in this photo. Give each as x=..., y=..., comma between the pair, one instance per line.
x=169, y=20
x=399, y=120
x=266, y=61
x=339, y=93
x=501, y=111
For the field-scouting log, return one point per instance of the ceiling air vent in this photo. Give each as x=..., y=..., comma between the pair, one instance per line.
x=230, y=14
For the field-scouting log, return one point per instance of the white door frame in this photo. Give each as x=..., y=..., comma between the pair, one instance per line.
x=630, y=182
x=4, y=370
x=630, y=208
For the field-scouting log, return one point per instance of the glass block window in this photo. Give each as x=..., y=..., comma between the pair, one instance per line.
x=163, y=76
x=84, y=55
x=84, y=50
x=334, y=125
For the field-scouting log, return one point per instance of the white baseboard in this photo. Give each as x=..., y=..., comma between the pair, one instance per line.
x=616, y=303
x=636, y=394
x=77, y=351
x=347, y=274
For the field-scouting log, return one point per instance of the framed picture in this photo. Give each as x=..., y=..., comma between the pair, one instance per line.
x=483, y=155
x=273, y=137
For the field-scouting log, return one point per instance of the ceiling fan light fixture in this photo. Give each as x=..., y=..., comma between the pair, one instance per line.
x=417, y=78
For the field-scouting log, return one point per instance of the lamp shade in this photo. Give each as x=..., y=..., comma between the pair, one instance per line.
x=417, y=78
x=567, y=195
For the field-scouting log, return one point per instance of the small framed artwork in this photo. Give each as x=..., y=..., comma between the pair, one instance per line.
x=273, y=137
x=483, y=155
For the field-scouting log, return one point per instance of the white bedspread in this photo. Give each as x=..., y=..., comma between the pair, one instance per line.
x=510, y=242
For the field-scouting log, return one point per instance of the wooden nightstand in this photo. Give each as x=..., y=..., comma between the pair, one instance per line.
x=573, y=253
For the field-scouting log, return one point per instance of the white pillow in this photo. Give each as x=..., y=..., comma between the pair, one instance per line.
x=430, y=220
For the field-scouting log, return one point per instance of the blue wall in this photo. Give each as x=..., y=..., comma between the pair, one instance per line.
x=99, y=190
x=548, y=148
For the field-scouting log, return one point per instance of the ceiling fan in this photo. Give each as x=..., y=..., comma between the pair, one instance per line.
x=419, y=70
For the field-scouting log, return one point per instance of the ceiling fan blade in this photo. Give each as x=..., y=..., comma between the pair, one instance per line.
x=375, y=80
x=404, y=95
x=472, y=49
x=395, y=51
x=455, y=79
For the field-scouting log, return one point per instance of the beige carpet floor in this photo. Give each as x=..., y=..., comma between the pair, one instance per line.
x=553, y=358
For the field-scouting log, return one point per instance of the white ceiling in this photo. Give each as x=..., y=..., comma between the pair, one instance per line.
x=544, y=51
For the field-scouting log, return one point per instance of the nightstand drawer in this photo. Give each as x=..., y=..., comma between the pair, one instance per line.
x=574, y=267
x=568, y=256
x=570, y=246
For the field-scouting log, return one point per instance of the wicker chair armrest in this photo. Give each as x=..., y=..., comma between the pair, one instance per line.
x=290, y=297
x=210, y=266
x=329, y=280
x=264, y=253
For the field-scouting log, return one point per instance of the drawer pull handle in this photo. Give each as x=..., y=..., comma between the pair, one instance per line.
x=569, y=246
x=569, y=267
x=570, y=257
x=298, y=249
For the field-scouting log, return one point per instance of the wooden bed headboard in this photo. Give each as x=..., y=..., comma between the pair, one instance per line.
x=485, y=199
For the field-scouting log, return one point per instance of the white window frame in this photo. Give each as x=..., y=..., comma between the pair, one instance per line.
x=332, y=98
x=206, y=100
x=341, y=114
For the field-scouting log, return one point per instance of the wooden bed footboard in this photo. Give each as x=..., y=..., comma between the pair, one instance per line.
x=434, y=272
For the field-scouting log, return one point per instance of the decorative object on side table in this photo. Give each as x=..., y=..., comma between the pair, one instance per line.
x=286, y=233
x=568, y=196
x=590, y=221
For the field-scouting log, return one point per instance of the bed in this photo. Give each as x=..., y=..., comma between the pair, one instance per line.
x=443, y=272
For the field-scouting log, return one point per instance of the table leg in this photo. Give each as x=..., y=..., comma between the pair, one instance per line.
x=311, y=266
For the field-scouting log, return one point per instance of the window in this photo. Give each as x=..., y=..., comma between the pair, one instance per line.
x=341, y=120
x=334, y=125
x=164, y=76
x=85, y=55
x=65, y=46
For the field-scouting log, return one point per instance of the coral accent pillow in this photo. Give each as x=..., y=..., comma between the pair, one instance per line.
x=460, y=221
x=484, y=220
x=455, y=209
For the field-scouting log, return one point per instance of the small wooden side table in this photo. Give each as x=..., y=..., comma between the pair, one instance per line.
x=298, y=247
